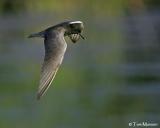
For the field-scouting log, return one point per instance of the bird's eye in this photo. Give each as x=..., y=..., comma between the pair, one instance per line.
x=72, y=25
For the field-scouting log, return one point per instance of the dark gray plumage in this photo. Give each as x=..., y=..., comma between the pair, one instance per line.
x=55, y=47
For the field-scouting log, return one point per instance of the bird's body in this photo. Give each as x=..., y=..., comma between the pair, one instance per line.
x=55, y=47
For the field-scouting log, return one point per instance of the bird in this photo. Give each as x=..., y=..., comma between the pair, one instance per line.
x=55, y=48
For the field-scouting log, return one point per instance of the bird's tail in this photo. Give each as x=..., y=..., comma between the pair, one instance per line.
x=39, y=34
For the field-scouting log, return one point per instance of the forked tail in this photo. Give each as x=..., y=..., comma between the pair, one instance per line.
x=39, y=34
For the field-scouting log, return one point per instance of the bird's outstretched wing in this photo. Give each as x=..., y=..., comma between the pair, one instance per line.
x=55, y=48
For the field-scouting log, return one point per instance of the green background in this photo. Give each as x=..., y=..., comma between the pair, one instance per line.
x=106, y=81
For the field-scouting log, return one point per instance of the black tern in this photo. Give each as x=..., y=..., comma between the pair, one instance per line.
x=55, y=47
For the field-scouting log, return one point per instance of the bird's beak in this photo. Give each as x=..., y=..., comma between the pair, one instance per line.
x=81, y=36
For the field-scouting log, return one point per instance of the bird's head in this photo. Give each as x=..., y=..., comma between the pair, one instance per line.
x=74, y=30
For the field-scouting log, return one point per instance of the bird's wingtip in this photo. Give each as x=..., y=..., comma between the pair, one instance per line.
x=38, y=97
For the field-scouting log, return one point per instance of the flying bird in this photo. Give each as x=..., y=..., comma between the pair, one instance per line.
x=55, y=47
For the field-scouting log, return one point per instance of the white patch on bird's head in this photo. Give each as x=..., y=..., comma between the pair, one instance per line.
x=75, y=22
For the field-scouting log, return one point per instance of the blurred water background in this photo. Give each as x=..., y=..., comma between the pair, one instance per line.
x=106, y=81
